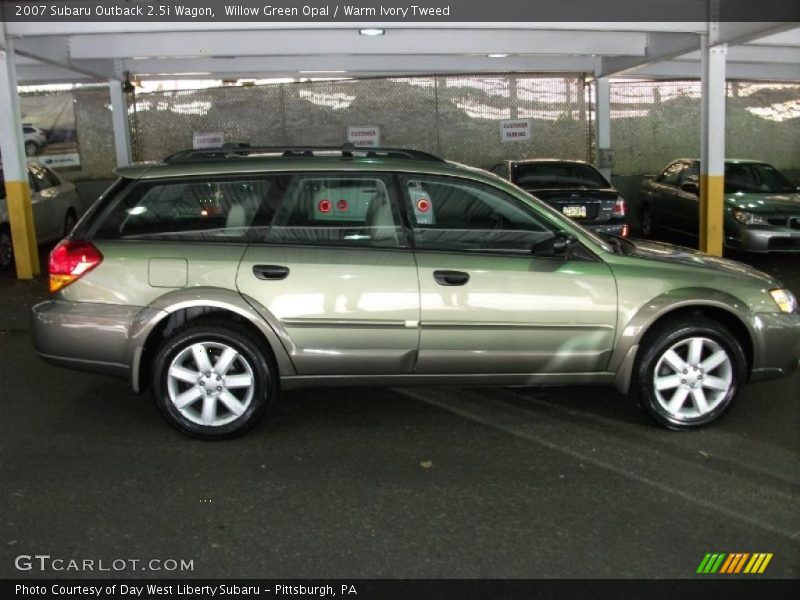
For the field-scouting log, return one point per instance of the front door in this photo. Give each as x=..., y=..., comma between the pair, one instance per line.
x=489, y=304
x=335, y=273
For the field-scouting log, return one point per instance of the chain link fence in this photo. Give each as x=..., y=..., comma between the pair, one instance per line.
x=654, y=122
x=455, y=117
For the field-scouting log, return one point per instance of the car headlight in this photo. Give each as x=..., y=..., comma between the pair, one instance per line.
x=747, y=218
x=784, y=299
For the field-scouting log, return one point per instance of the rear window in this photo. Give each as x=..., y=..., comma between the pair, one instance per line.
x=555, y=175
x=208, y=209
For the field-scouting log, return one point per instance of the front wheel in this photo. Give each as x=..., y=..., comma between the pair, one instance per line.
x=212, y=380
x=689, y=373
x=648, y=222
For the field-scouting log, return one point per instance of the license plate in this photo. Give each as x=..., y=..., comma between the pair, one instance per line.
x=575, y=212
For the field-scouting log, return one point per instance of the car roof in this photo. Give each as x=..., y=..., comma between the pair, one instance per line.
x=731, y=161
x=244, y=160
x=549, y=160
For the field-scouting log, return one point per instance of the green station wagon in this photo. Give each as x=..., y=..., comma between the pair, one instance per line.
x=219, y=277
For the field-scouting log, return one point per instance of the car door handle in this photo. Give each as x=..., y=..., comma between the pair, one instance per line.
x=270, y=272
x=451, y=277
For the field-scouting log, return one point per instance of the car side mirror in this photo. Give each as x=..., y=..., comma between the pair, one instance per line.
x=559, y=245
x=690, y=187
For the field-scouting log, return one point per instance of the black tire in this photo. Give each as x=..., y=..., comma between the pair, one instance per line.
x=255, y=352
x=70, y=221
x=670, y=335
x=6, y=248
x=31, y=148
x=647, y=221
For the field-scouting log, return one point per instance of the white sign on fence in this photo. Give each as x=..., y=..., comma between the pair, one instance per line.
x=204, y=139
x=515, y=130
x=364, y=137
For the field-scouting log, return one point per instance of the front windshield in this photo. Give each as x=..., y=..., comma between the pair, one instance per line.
x=556, y=175
x=755, y=178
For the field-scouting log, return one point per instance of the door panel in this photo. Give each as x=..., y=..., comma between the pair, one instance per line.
x=346, y=311
x=516, y=315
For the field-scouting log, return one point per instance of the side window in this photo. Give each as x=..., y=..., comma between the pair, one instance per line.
x=32, y=182
x=671, y=173
x=207, y=209
x=54, y=180
x=336, y=209
x=453, y=214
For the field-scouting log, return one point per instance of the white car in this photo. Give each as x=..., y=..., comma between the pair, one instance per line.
x=35, y=139
x=56, y=208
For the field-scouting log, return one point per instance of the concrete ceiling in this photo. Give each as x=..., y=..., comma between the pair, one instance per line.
x=86, y=52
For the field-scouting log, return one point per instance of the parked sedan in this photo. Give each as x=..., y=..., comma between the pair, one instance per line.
x=56, y=207
x=573, y=187
x=762, y=208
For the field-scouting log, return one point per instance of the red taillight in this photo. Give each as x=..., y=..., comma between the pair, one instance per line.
x=69, y=261
x=325, y=206
x=619, y=207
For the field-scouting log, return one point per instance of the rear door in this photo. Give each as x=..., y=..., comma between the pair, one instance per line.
x=489, y=305
x=336, y=274
x=667, y=210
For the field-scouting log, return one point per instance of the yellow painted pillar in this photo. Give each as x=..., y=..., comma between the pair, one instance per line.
x=712, y=161
x=18, y=193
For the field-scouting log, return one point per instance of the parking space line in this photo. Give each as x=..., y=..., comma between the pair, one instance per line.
x=735, y=498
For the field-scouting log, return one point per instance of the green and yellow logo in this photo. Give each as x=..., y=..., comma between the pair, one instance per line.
x=734, y=563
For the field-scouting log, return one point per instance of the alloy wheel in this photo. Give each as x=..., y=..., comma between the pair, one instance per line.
x=210, y=383
x=692, y=378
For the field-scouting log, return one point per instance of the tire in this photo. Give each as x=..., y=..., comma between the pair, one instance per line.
x=211, y=405
x=31, y=148
x=69, y=222
x=6, y=248
x=692, y=392
x=647, y=222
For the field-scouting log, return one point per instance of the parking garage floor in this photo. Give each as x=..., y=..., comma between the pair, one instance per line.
x=422, y=482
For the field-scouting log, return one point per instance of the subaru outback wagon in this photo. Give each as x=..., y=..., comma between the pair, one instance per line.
x=219, y=277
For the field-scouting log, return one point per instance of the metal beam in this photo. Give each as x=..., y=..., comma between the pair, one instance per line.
x=755, y=54
x=660, y=46
x=712, y=161
x=603, y=125
x=18, y=193
x=692, y=70
x=54, y=50
x=348, y=42
x=291, y=66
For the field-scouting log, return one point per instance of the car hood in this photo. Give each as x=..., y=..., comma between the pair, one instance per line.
x=668, y=253
x=787, y=203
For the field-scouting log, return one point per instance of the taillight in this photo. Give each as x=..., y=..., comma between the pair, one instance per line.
x=626, y=231
x=619, y=207
x=69, y=261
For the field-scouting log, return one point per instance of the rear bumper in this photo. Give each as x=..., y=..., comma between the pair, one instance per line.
x=85, y=336
x=610, y=227
x=777, y=345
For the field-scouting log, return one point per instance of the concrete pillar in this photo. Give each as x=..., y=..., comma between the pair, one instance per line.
x=119, y=119
x=604, y=156
x=12, y=147
x=712, y=156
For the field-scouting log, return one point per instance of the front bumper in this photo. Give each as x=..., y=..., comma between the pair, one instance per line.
x=84, y=335
x=762, y=239
x=776, y=345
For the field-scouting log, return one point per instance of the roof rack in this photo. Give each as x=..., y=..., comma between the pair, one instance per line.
x=242, y=150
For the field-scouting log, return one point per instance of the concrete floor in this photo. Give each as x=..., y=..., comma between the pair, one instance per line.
x=420, y=482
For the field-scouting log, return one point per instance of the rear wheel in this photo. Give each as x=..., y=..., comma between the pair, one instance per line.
x=212, y=380
x=689, y=373
x=31, y=148
x=6, y=248
x=648, y=222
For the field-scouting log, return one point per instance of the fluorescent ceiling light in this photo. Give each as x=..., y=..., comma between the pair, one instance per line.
x=499, y=55
x=371, y=31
